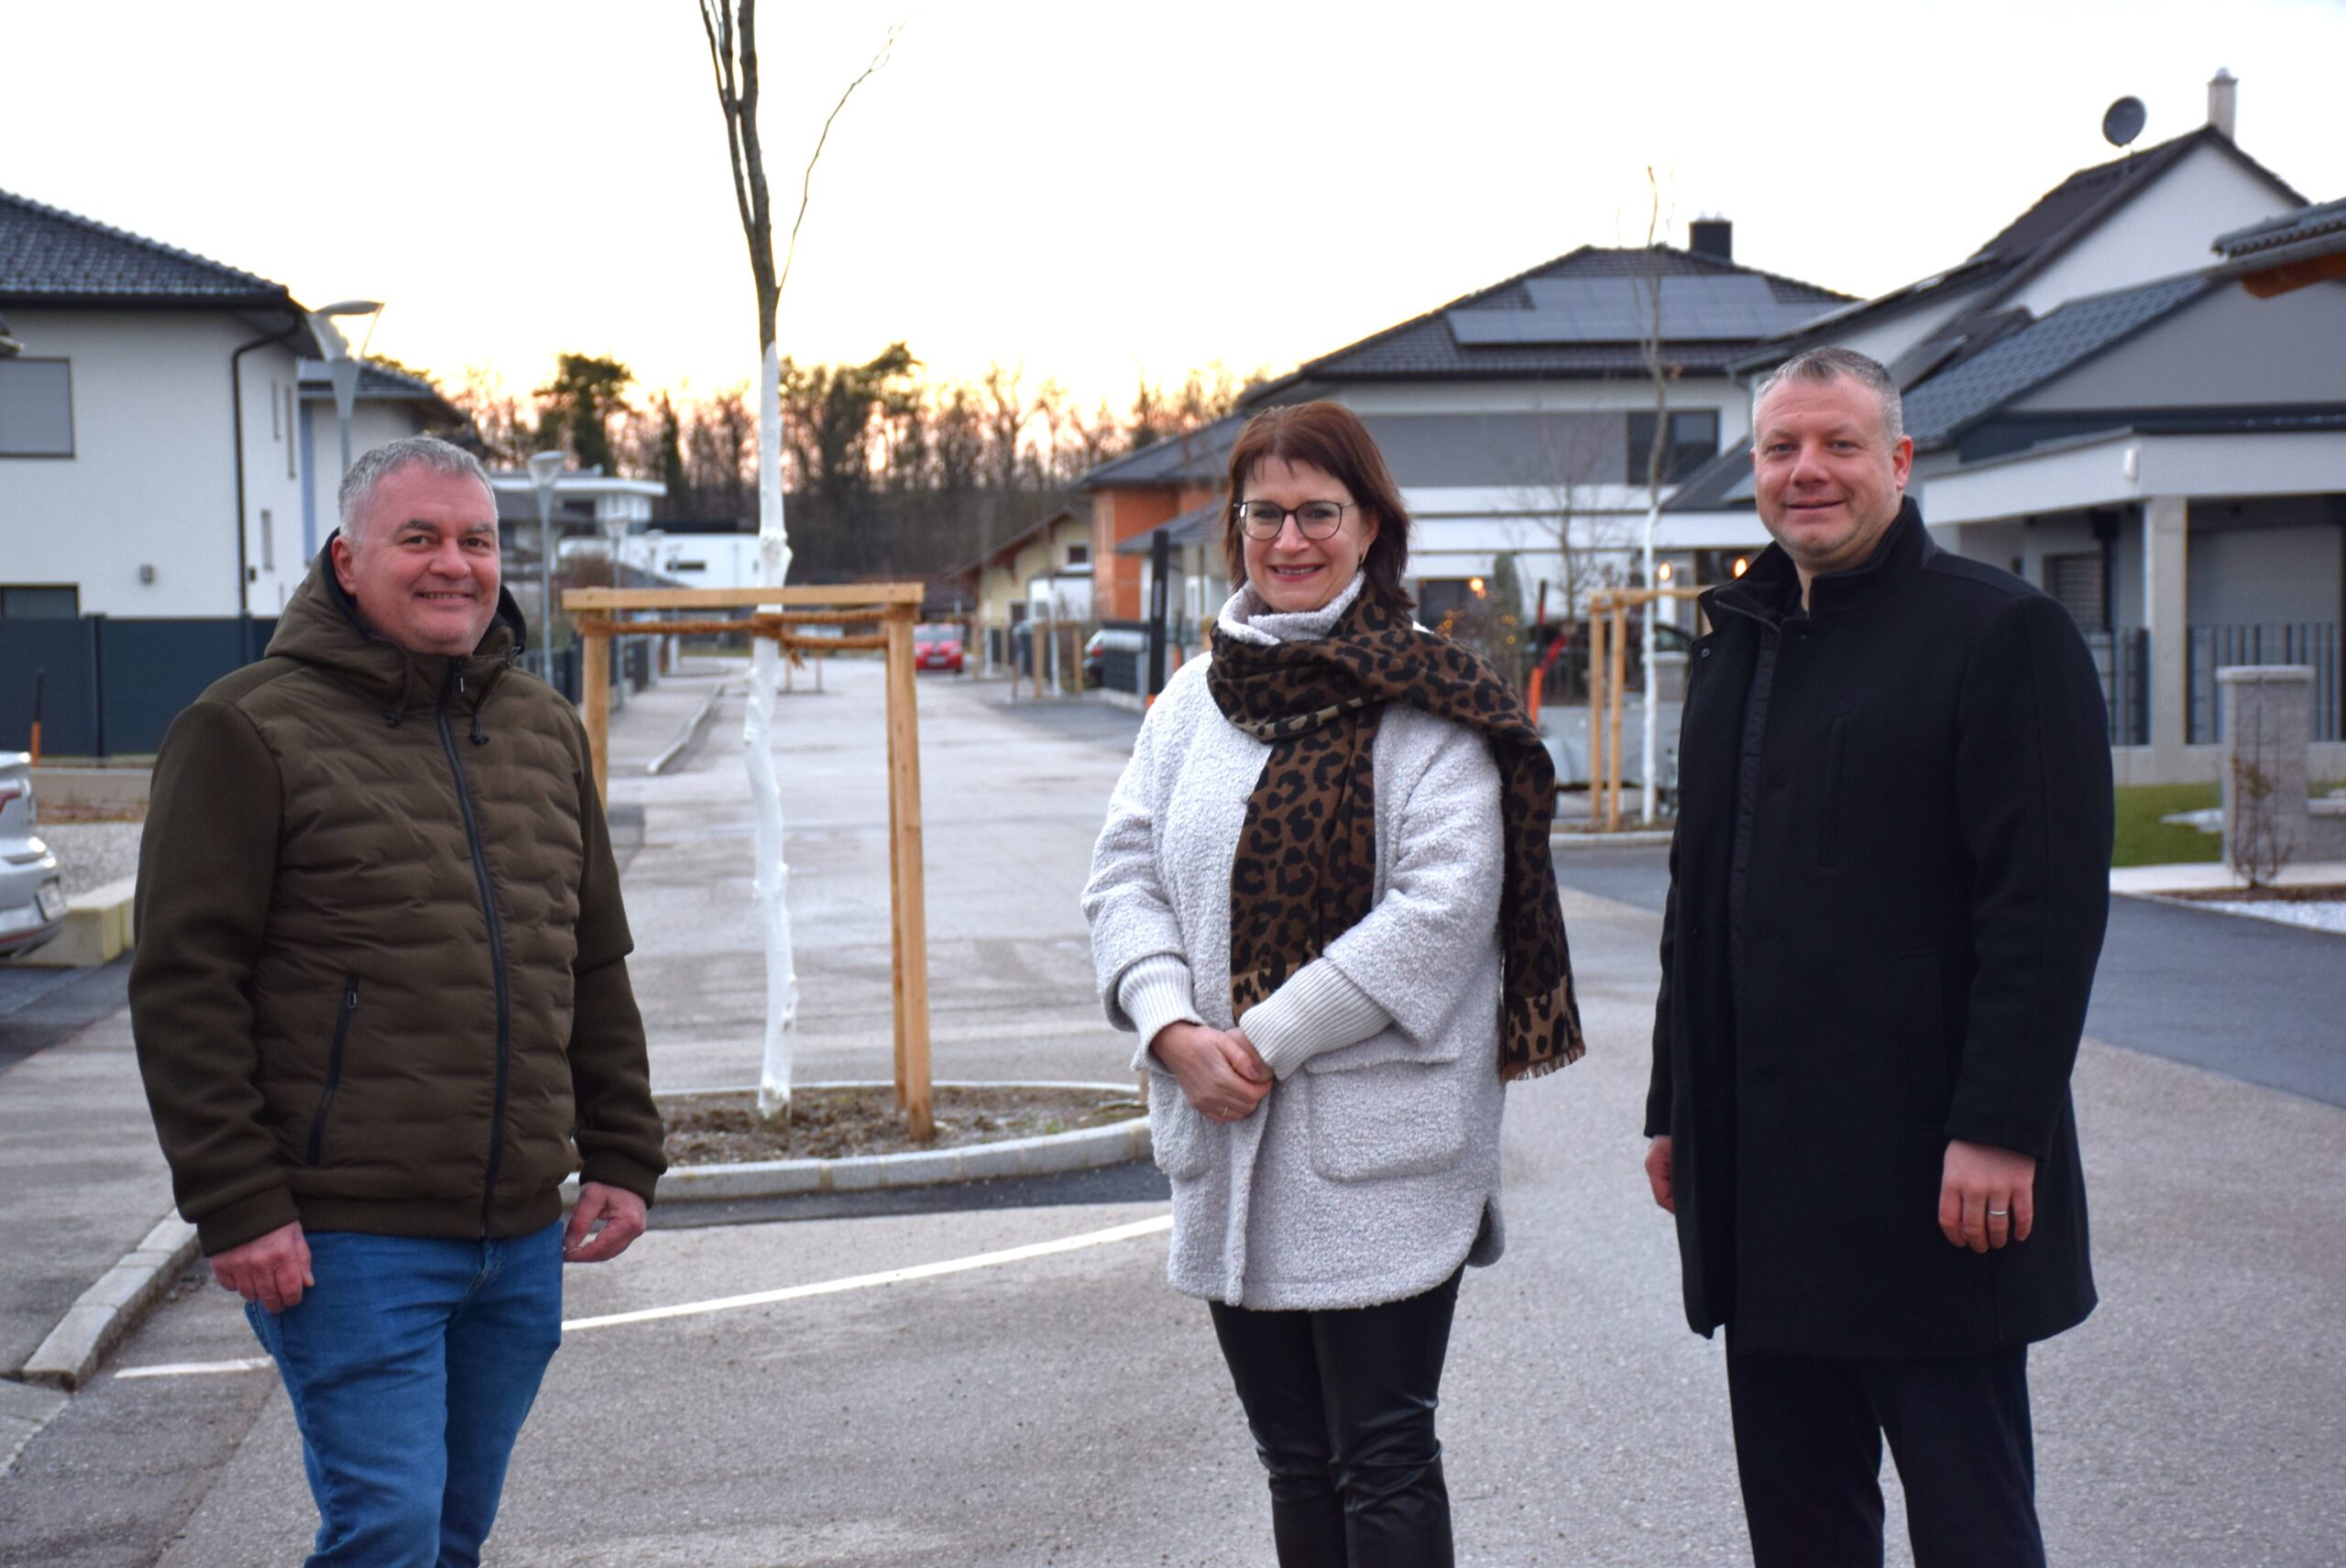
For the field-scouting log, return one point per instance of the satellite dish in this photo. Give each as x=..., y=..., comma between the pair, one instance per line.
x=2123, y=121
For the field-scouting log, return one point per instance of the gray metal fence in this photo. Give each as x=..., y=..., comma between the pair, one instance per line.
x=2122, y=657
x=108, y=686
x=2214, y=648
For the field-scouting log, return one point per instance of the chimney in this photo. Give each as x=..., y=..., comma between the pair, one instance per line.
x=2224, y=103
x=1711, y=236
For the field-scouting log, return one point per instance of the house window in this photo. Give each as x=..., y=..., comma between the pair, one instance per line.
x=1078, y=555
x=1694, y=440
x=2076, y=581
x=268, y=539
x=1441, y=599
x=290, y=445
x=35, y=408
x=40, y=602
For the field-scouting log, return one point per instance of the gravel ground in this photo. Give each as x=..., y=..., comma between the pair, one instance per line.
x=2325, y=915
x=92, y=854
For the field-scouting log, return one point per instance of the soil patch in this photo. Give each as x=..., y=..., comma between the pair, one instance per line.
x=835, y=1124
x=2315, y=892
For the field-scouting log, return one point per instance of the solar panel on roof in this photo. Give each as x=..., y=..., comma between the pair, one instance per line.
x=1621, y=309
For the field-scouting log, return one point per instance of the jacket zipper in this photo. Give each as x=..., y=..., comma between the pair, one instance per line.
x=455, y=686
x=334, y=1068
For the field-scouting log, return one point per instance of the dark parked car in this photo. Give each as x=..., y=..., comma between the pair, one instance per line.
x=937, y=647
x=32, y=895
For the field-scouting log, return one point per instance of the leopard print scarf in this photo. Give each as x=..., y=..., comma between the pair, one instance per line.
x=1307, y=857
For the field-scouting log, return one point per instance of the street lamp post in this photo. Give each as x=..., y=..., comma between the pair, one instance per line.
x=545, y=470
x=342, y=368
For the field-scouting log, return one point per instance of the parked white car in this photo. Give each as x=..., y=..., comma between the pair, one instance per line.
x=32, y=893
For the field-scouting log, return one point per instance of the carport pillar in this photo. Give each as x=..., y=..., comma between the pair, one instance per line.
x=2167, y=537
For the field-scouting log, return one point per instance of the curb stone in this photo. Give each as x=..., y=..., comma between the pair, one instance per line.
x=690, y=732
x=109, y=1309
x=1051, y=1153
x=1629, y=839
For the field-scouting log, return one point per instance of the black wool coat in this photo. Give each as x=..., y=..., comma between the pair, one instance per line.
x=1893, y=948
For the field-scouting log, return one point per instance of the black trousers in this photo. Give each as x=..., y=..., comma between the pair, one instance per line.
x=1342, y=1406
x=1808, y=1438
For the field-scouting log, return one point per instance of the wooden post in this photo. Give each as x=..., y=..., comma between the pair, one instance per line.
x=911, y=923
x=594, y=698
x=1595, y=707
x=1617, y=677
x=893, y=604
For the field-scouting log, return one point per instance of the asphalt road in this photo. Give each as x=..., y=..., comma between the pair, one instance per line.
x=1062, y=1407
x=39, y=1007
x=2254, y=999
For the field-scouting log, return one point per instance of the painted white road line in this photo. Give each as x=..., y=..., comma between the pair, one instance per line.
x=886, y=1277
x=199, y=1368
x=1138, y=1228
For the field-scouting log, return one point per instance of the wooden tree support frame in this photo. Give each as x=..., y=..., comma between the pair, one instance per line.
x=895, y=606
x=1609, y=658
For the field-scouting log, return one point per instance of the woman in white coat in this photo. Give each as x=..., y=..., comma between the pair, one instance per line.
x=1323, y=900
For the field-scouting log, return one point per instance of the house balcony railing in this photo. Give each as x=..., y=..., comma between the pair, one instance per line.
x=2122, y=658
x=2214, y=648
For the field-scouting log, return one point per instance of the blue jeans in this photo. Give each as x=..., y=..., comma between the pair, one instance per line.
x=411, y=1365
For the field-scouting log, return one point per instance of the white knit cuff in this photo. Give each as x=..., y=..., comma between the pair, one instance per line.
x=1317, y=1010
x=1155, y=992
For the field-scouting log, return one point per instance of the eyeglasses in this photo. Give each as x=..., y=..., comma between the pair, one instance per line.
x=1315, y=519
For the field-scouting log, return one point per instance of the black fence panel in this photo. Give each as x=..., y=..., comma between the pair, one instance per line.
x=149, y=670
x=2214, y=648
x=2122, y=659
x=60, y=657
x=111, y=687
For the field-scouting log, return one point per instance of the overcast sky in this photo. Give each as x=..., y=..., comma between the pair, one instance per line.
x=1087, y=190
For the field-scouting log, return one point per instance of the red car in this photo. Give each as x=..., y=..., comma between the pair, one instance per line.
x=937, y=648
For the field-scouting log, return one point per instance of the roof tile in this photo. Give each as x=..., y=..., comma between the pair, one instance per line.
x=50, y=255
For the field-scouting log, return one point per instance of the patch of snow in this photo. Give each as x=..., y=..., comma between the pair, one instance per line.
x=2327, y=914
x=2208, y=819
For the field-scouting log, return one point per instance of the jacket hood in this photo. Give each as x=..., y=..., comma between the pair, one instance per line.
x=321, y=626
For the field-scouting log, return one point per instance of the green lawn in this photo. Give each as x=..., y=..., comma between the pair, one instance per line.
x=2145, y=840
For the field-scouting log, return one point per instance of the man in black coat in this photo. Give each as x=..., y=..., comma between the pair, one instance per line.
x=1888, y=889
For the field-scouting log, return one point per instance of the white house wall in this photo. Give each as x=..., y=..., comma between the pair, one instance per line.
x=1885, y=339
x=2095, y=472
x=1561, y=394
x=152, y=479
x=372, y=423
x=2262, y=576
x=2167, y=229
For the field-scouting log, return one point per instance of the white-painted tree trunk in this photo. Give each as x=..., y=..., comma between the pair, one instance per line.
x=773, y=877
x=1651, y=769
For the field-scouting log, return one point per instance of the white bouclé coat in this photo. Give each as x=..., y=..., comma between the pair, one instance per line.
x=1371, y=1170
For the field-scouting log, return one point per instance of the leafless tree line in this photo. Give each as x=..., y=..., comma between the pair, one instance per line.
x=886, y=468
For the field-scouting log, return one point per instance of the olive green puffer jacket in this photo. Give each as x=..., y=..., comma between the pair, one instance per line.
x=381, y=983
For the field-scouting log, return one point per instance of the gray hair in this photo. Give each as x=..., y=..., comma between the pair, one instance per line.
x=379, y=462
x=1825, y=365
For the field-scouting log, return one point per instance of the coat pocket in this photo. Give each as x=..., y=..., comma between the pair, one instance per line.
x=1178, y=1137
x=344, y=1013
x=1396, y=1119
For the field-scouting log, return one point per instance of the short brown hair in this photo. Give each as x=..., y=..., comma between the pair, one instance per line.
x=1331, y=438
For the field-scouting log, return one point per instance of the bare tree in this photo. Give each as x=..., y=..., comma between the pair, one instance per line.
x=732, y=32
x=1657, y=457
x=1574, y=456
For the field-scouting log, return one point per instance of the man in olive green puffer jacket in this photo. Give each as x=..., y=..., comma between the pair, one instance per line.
x=381, y=1006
